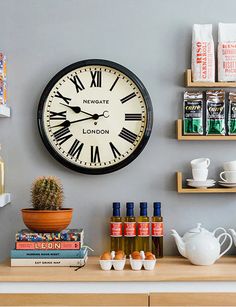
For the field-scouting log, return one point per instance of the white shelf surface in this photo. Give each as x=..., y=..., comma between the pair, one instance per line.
x=5, y=111
x=5, y=199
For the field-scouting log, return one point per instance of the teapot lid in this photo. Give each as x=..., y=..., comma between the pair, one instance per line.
x=198, y=229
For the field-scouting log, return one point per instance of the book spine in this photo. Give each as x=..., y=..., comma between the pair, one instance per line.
x=39, y=237
x=57, y=245
x=50, y=254
x=48, y=262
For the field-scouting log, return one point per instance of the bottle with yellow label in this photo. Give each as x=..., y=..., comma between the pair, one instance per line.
x=143, y=241
x=2, y=175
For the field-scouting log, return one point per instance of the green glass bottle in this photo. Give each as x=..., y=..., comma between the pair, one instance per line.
x=129, y=229
x=143, y=240
x=157, y=231
x=116, y=229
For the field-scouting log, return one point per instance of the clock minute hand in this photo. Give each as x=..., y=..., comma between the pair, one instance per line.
x=76, y=109
x=67, y=123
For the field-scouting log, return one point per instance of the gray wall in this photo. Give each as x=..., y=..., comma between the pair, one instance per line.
x=152, y=38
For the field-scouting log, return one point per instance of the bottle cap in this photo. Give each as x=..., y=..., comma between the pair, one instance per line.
x=129, y=205
x=143, y=205
x=157, y=205
x=116, y=209
x=116, y=205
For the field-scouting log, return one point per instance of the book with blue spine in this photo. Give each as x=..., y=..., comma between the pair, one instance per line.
x=49, y=254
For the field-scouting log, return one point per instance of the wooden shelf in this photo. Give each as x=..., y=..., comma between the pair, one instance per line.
x=167, y=269
x=5, y=111
x=190, y=83
x=188, y=190
x=5, y=199
x=181, y=137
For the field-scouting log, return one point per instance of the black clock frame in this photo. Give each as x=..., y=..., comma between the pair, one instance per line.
x=133, y=155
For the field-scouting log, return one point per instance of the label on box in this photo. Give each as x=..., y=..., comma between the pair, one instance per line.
x=116, y=229
x=157, y=229
x=143, y=229
x=129, y=229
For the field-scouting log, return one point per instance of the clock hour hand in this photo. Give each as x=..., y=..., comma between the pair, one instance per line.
x=76, y=109
x=94, y=116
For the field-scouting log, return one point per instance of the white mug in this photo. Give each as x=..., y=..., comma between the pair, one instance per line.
x=200, y=174
x=230, y=166
x=200, y=163
x=230, y=176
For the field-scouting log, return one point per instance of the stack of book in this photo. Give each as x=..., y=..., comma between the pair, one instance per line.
x=49, y=249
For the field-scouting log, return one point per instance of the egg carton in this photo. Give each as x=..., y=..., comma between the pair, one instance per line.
x=137, y=264
x=118, y=265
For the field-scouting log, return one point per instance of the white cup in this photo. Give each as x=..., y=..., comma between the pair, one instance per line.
x=230, y=166
x=230, y=176
x=200, y=163
x=200, y=174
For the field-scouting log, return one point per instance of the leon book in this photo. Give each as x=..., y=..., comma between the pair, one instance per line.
x=53, y=245
x=49, y=262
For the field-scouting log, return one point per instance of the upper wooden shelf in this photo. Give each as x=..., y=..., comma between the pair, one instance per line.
x=190, y=83
x=5, y=111
x=181, y=137
x=167, y=269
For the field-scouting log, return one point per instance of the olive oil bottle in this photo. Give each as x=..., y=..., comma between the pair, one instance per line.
x=129, y=229
x=143, y=229
x=157, y=231
x=116, y=229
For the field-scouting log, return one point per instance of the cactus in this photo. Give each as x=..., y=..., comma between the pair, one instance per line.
x=47, y=193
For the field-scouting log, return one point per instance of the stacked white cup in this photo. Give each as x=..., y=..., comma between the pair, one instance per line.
x=200, y=168
x=229, y=173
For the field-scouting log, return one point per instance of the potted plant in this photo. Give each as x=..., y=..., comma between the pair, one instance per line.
x=47, y=214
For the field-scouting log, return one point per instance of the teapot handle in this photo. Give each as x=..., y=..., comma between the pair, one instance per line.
x=230, y=243
x=224, y=231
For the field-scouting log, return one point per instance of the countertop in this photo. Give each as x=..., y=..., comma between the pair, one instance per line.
x=167, y=269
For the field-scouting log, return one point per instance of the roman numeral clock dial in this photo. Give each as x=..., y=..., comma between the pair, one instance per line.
x=95, y=116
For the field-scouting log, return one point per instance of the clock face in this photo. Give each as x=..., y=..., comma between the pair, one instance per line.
x=95, y=116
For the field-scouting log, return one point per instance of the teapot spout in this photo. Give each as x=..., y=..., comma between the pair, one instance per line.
x=179, y=242
x=233, y=234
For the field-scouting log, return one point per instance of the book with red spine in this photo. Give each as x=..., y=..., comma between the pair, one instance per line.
x=53, y=245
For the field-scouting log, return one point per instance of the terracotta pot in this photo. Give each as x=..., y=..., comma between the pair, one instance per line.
x=47, y=220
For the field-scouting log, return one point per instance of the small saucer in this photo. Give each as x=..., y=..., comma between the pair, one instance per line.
x=227, y=184
x=202, y=181
x=201, y=184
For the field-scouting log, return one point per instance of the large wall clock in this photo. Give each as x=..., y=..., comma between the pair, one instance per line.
x=95, y=116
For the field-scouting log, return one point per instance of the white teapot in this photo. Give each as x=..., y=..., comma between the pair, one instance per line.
x=233, y=234
x=201, y=246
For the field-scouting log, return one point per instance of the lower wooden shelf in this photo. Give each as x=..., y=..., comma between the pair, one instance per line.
x=181, y=137
x=188, y=190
